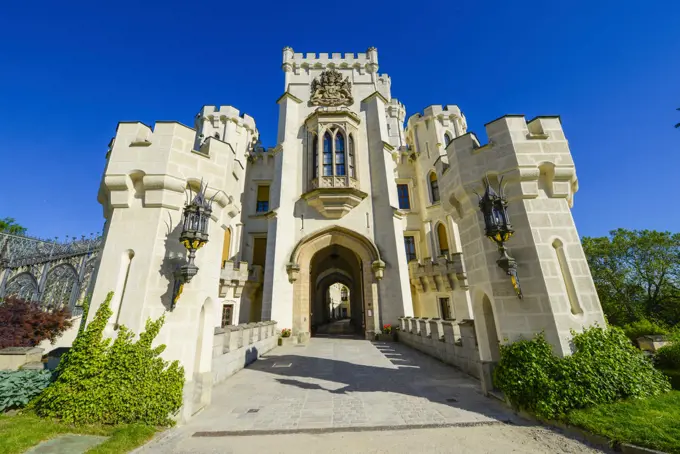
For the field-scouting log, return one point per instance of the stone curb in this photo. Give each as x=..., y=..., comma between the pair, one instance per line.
x=326, y=430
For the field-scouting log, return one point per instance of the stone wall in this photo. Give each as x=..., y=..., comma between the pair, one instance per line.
x=450, y=341
x=235, y=347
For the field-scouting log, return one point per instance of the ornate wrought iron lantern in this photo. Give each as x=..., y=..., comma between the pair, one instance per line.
x=194, y=235
x=494, y=207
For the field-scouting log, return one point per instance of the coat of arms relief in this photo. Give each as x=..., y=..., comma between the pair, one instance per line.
x=329, y=89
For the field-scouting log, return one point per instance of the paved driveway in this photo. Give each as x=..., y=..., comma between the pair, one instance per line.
x=333, y=385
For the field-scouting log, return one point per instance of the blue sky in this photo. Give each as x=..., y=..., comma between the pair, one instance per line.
x=69, y=71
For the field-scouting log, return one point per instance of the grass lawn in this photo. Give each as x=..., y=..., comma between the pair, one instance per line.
x=652, y=423
x=21, y=432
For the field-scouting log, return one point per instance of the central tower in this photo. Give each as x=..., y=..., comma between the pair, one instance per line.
x=334, y=186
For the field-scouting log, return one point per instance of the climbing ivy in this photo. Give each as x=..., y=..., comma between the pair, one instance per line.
x=98, y=381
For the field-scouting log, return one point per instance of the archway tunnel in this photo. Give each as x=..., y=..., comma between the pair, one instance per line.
x=333, y=265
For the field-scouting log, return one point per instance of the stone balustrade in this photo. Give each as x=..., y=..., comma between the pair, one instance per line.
x=441, y=275
x=236, y=346
x=453, y=342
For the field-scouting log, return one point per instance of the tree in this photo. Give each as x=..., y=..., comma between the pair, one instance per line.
x=637, y=275
x=9, y=225
x=26, y=324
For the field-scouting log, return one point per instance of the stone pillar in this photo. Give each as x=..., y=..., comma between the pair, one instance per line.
x=434, y=326
x=423, y=329
x=235, y=337
x=395, y=292
x=447, y=328
x=277, y=297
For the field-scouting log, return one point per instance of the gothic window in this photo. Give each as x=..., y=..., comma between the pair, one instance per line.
x=447, y=140
x=350, y=157
x=339, y=154
x=442, y=239
x=315, y=157
x=327, y=155
x=434, y=187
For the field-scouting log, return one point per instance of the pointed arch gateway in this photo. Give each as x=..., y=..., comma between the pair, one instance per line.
x=330, y=255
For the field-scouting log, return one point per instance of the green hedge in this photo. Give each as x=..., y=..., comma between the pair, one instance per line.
x=17, y=388
x=99, y=381
x=604, y=367
x=668, y=357
x=674, y=377
x=643, y=328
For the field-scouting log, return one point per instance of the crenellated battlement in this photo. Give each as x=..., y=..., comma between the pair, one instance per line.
x=223, y=114
x=396, y=109
x=368, y=59
x=449, y=115
x=534, y=153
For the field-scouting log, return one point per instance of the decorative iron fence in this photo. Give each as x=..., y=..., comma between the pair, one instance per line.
x=55, y=273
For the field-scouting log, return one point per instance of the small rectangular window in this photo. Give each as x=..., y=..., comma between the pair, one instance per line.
x=227, y=311
x=259, y=251
x=410, y=245
x=404, y=202
x=262, y=199
x=444, y=308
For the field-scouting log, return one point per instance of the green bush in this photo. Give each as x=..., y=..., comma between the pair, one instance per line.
x=674, y=376
x=643, y=328
x=18, y=387
x=604, y=367
x=111, y=383
x=668, y=357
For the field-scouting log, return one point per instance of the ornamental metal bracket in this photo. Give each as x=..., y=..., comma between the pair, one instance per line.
x=509, y=265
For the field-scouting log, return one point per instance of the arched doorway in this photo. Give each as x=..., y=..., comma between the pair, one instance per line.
x=324, y=258
x=333, y=265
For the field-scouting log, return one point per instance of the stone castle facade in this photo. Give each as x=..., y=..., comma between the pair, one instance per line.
x=355, y=193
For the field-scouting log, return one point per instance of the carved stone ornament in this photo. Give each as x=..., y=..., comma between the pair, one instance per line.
x=330, y=90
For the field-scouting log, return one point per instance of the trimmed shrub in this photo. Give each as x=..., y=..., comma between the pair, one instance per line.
x=18, y=387
x=668, y=357
x=643, y=328
x=604, y=367
x=26, y=323
x=111, y=383
x=674, y=377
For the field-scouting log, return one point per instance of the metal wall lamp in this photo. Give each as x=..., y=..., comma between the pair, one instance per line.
x=494, y=207
x=194, y=235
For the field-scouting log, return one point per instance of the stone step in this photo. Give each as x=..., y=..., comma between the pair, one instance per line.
x=34, y=365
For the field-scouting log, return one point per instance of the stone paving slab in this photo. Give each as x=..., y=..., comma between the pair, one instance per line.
x=67, y=444
x=338, y=383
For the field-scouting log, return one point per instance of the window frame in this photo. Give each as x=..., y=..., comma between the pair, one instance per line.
x=434, y=189
x=231, y=315
x=262, y=206
x=407, y=195
x=442, y=313
x=410, y=258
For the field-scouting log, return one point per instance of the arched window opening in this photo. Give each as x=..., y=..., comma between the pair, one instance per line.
x=315, y=156
x=226, y=246
x=350, y=157
x=443, y=240
x=567, y=277
x=327, y=155
x=434, y=187
x=339, y=154
x=447, y=139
